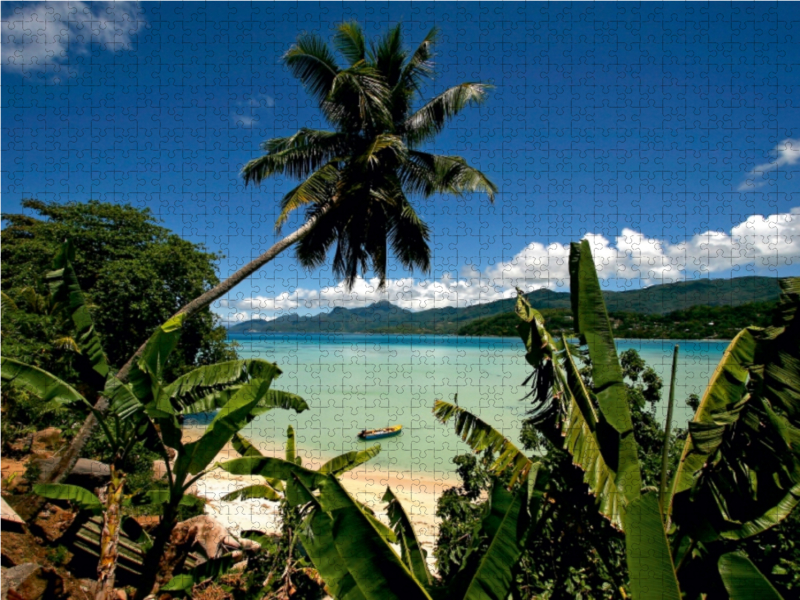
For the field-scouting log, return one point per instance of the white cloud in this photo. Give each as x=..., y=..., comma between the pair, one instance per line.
x=786, y=153
x=38, y=35
x=757, y=243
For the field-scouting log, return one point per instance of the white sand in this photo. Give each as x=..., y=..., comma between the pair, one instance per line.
x=418, y=495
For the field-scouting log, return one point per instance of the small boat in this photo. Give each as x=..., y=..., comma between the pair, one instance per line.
x=376, y=434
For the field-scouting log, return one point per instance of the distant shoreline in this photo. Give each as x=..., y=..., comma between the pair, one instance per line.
x=454, y=335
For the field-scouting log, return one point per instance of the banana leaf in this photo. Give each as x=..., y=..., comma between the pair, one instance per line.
x=481, y=436
x=615, y=426
x=39, y=382
x=769, y=519
x=49, y=388
x=565, y=414
x=270, y=468
x=197, y=455
x=726, y=388
x=82, y=497
x=244, y=446
x=316, y=535
x=267, y=492
x=202, y=381
x=66, y=291
x=349, y=460
x=411, y=551
x=743, y=580
x=505, y=527
x=375, y=568
x=652, y=572
x=145, y=375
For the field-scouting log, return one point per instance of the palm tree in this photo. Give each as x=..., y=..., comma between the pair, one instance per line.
x=357, y=179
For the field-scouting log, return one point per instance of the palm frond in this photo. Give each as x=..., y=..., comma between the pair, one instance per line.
x=296, y=156
x=431, y=118
x=317, y=189
x=311, y=61
x=429, y=174
x=358, y=99
x=350, y=41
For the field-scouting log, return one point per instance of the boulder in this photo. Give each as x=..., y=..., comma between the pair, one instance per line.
x=30, y=581
x=210, y=534
x=46, y=441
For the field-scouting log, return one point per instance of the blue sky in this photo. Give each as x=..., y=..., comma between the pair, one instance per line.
x=665, y=133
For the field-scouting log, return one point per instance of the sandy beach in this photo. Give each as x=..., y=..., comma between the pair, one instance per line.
x=365, y=483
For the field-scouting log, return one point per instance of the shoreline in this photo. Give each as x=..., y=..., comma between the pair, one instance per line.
x=418, y=493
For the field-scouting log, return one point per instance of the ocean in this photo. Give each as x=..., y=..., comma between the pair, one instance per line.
x=361, y=381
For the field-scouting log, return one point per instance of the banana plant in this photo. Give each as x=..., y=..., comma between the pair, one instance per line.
x=740, y=468
x=353, y=551
x=146, y=409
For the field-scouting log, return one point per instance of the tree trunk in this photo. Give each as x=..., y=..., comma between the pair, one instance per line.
x=109, y=539
x=160, y=559
x=60, y=471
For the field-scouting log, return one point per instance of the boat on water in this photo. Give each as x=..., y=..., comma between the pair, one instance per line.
x=376, y=434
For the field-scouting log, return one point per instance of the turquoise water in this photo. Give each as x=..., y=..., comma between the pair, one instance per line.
x=357, y=381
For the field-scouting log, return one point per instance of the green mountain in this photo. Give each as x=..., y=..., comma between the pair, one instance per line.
x=385, y=317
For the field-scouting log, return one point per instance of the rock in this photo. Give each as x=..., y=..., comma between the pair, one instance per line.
x=46, y=441
x=87, y=473
x=54, y=521
x=211, y=535
x=32, y=582
x=21, y=445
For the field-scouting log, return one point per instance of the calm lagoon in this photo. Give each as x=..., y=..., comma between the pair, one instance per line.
x=357, y=381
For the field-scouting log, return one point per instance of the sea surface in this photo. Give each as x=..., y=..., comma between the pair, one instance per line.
x=357, y=381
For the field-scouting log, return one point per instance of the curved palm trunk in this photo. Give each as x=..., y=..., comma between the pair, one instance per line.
x=60, y=470
x=109, y=538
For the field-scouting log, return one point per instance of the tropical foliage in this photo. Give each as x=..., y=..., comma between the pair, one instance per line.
x=148, y=409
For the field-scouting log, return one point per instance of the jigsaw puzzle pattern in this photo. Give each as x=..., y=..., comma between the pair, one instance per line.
x=665, y=133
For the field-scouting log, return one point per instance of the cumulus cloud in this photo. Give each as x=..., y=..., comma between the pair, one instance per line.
x=38, y=35
x=756, y=244
x=786, y=153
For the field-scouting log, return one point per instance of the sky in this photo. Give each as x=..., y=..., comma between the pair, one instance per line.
x=667, y=134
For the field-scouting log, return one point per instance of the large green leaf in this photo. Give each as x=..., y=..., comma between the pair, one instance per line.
x=244, y=446
x=267, y=492
x=505, y=528
x=39, y=382
x=270, y=468
x=85, y=499
x=66, y=291
x=375, y=568
x=48, y=387
x=592, y=324
x=565, y=414
x=726, y=388
x=145, y=375
x=316, y=535
x=481, y=436
x=202, y=381
x=743, y=580
x=769, y=519
x=349, y=460
x=280, y=399
x=652, y=573
x=411, y=551
x=197, y=455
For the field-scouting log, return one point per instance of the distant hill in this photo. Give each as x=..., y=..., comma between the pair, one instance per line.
x=385, y=317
